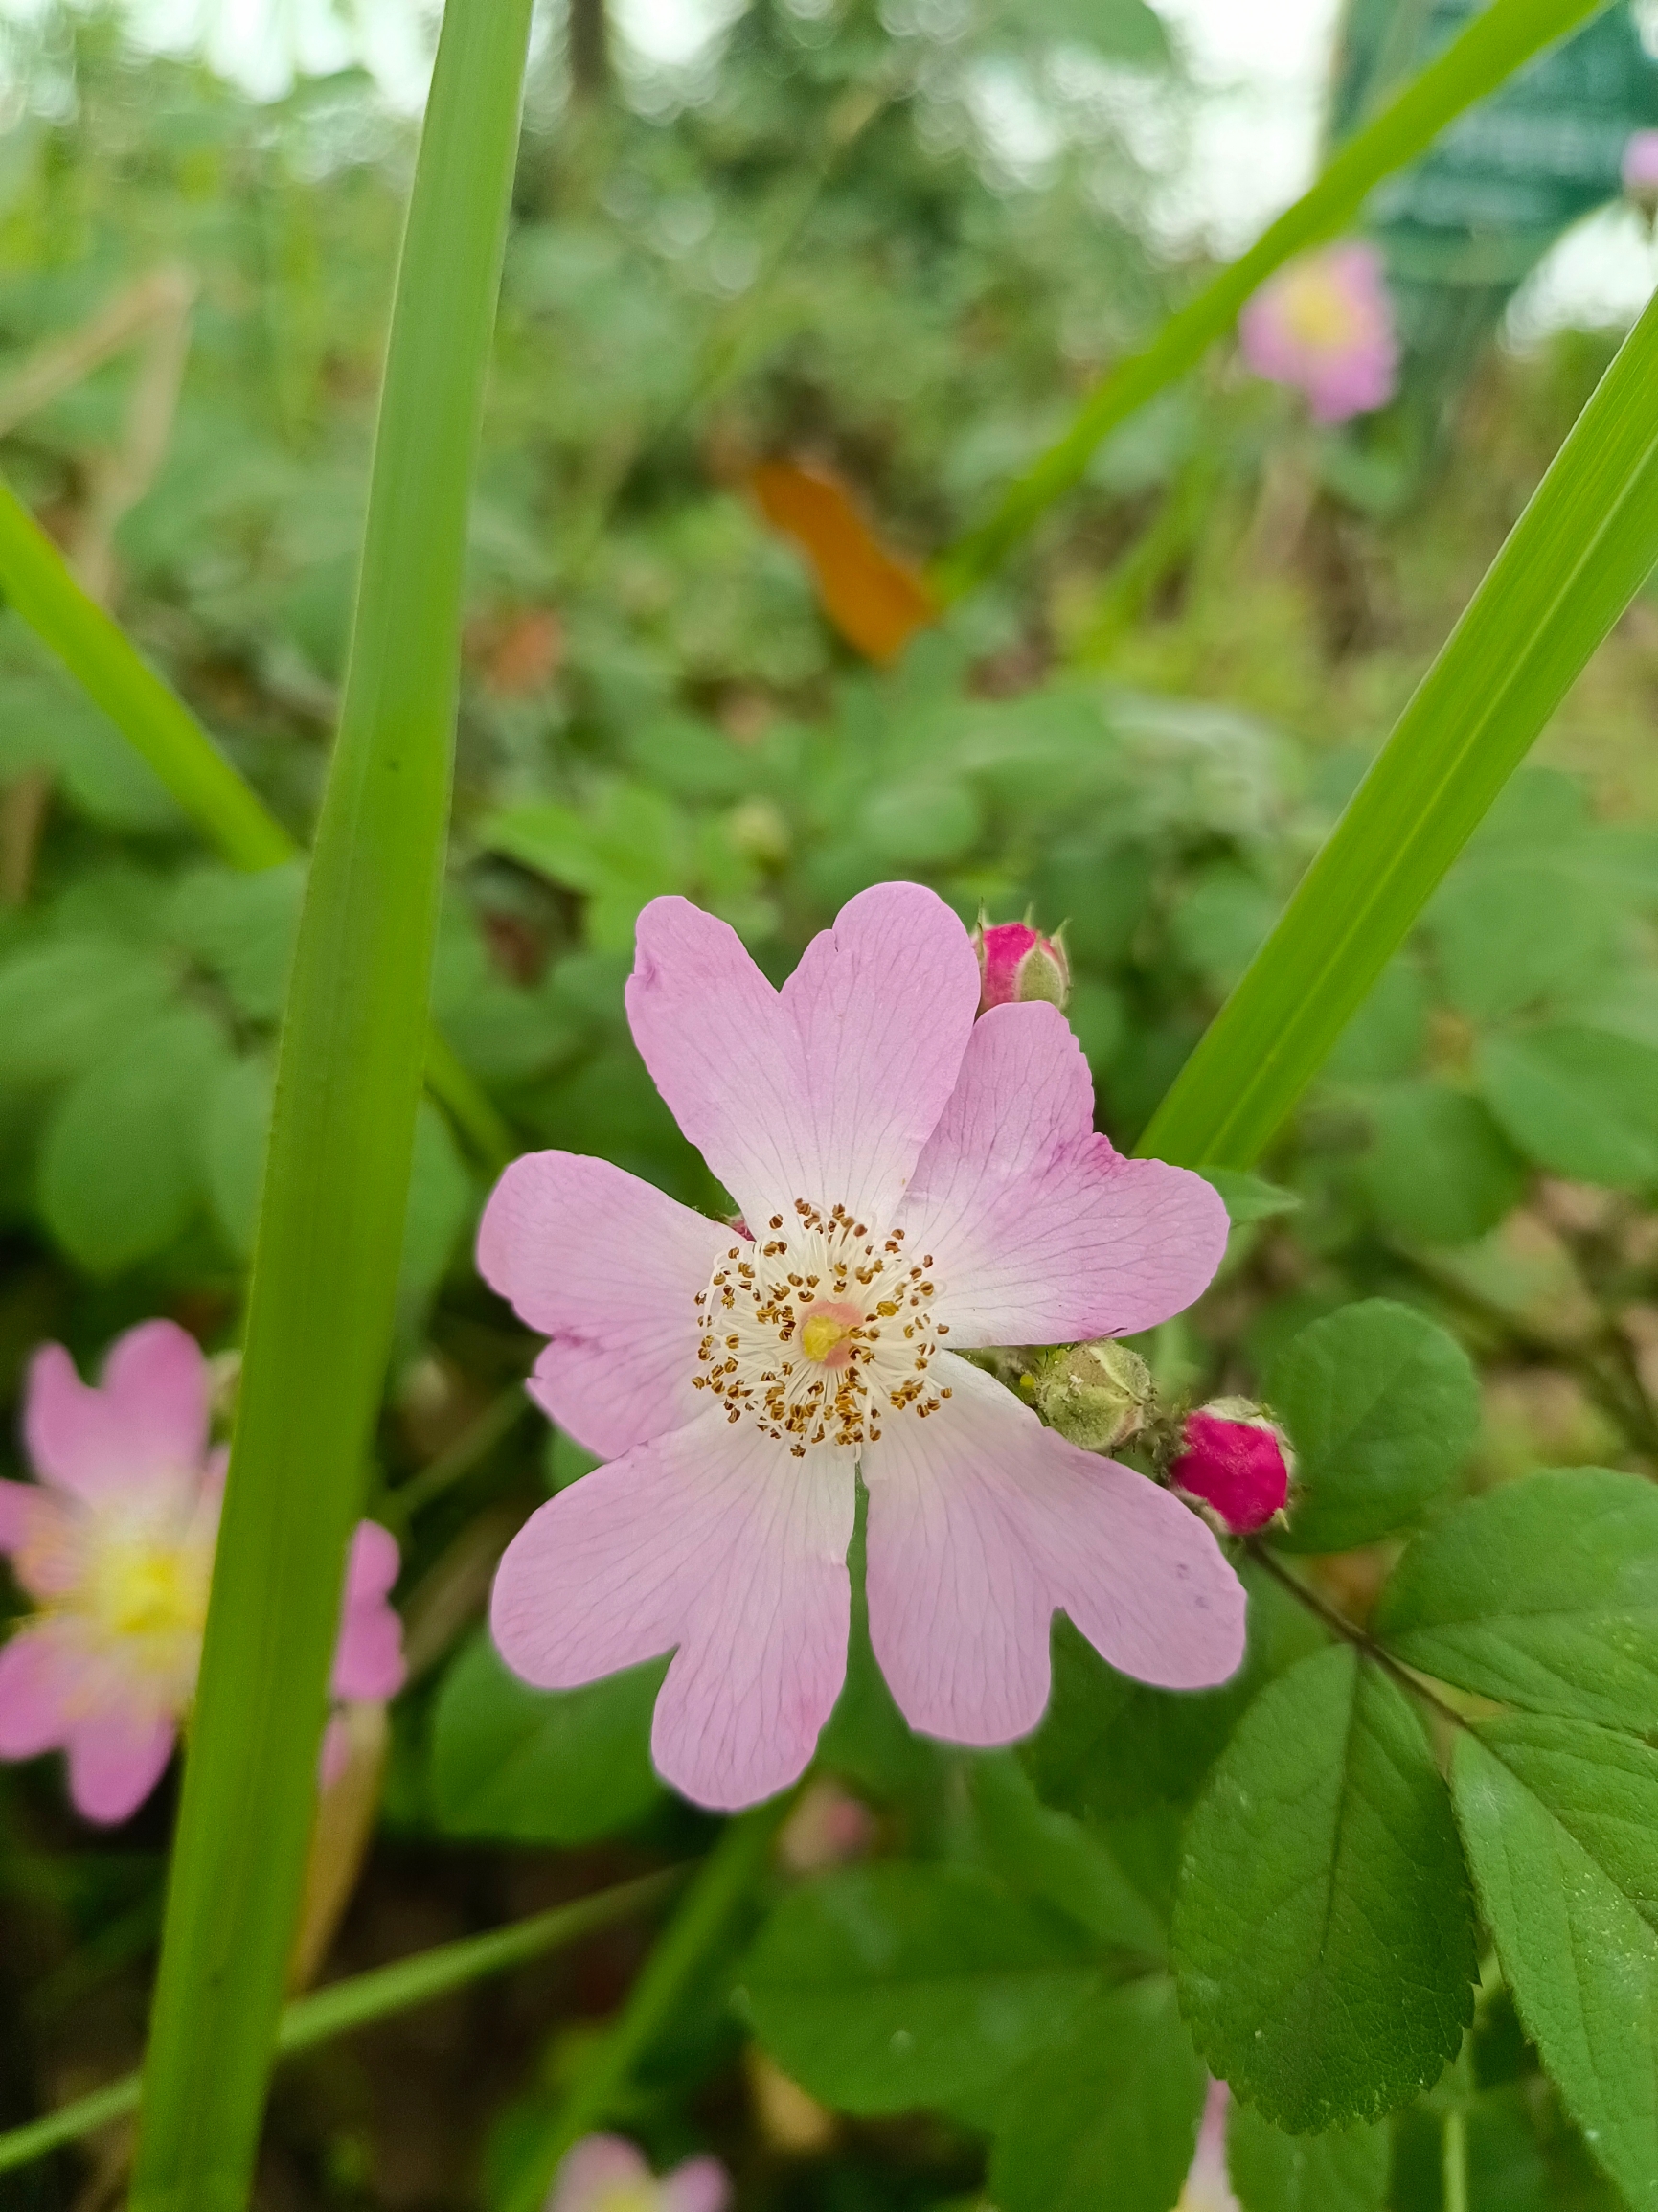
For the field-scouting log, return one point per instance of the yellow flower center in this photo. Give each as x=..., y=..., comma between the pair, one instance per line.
x=629, y=2197
x=1317, y=310
x=823, y=1334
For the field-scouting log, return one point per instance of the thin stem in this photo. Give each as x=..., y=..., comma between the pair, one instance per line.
x=1347, y=1630
x=1454, y=2159
x=366, y=1997
x=681, y=1954
x=475, y=1442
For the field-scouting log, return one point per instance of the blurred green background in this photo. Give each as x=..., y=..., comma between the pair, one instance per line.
x=808, y=244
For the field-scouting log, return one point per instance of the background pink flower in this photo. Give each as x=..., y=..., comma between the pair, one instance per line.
x=917, y=1184
x=606, y=2174
x=115, y=1544
x=1323, y=324
x=1208, y=2186
x=1639, y=166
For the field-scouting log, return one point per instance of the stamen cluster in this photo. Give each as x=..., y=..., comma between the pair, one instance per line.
x=820, y=1331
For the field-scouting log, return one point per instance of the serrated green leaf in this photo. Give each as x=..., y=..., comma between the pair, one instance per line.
x=1580, y=1102
x=1321, y=1928
x=885, y=1989
x=1441, y=1172
x=1559, y=1819
x=1381, y=1406
x=121, y=1164
x=1346, y=2171
x=1050, y=1855
x=1110, y=2117
x=528, y=1765
x=1542, y=1595
x=64, y=1004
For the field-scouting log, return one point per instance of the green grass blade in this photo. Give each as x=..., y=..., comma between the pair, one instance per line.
x=1572, y=563
x=363, y=1998
x=331, y=1226
x=1493, y=45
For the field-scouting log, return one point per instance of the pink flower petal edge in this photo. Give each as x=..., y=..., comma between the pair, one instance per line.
x=148, y=1417
x=599, y=2168
x=1208, y=2185
x=369, y=1658
x=1323, y=324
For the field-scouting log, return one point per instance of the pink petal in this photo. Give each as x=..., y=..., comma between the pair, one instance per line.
x=698, y=2185
x=592, y=2169
x=608, y=1267
x=369, y=1656
x=336, y=1751
x=115, y=1761
x=148, y=1418
x=828, y=1091
x=14, y=1500
x=45, y=1530
x=42, y=1685
x=715, y=1540
x=1041, y=1232
x=982, y=1522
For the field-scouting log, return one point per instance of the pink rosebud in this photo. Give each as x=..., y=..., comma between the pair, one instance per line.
x=917, y=1178
x=1017, y=962
x=1323, y=324
x=1640, y=169
x=606, y=2174
x=1208, y=2186
x=114, y=1543
x=1235, y=1464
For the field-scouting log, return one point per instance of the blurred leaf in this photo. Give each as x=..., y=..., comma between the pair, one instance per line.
x=1542, y=1595
x=1580, y=1102
x=629, y=849
x=1559, y=1819
x=1110, y=2117
x=1048, y=1855
x=1440, y=1171
x=1346, y=2171
x=441, y=1197
x=1385, y=1037
x=1514, y=932
x=243, y=928
x=1248, y=1198
x=64, y=1006
x=524, y=1766
x=1321, y=1928
x=1221, y=922
x=121, y=1164
x=1382, y=1407
x=883, y=1989
x=920, y=823
x=238, y=1125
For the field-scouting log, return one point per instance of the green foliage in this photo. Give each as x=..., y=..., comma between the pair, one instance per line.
x=1580, y=1102
x=1344, y=2171
x=1543, y=1595
x=541, y=1765
x=1381, y=1406
x=1557, y=1819
x=1322, y=1931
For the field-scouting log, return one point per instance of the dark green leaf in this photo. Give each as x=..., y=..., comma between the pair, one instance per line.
x=1559, y=1819
x=1050, y=1855
x=1580, y=1102
x=541, y=1765
x=1542, y=1595
x=1108, y=2119
x=1381, y=1406
x=1321, y=1928
x=888, y=1987
x=1441, y=1172
x=1346, y=2171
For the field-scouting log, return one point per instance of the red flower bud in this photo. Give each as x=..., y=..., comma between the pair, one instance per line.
x=1234, y=1464
x=1017, y=962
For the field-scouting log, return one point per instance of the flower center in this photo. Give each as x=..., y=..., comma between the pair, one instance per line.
x=146, y=1582
x=1318, y=312
x=820, y=1331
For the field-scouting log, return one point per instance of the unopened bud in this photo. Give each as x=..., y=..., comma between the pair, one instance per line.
x=1640, y=170
x=1017, y=962
x=1096, y=1395
x=1235, y=1464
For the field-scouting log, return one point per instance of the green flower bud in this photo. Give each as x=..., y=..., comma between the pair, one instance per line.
x=1096, y=1395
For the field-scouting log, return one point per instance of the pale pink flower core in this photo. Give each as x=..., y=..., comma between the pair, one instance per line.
x=1323, y=324
x=114, y=1543
x=918, y=1183
x=1236, y=1462
x=1208, y=2187
x=1639, y=166
x=606, y=2174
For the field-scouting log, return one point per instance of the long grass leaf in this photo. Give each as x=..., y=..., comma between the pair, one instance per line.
x=1496, y=43
x=330, y=1225
x=1577, y=557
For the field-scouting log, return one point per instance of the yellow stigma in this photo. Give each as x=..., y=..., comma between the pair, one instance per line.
x=1316, y=310
x=142, y=1587
x=821, y=1334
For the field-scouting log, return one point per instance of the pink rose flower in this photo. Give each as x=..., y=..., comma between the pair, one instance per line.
x=918, y=1183
x=604, y=2174
x=115, y=1546
x=1323, y=324
x=1017, y=962
x=1234, y=1463
x=1208, y=2186
x=1639, y=166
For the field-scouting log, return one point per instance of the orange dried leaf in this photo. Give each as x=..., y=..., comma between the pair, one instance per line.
x=874, y=599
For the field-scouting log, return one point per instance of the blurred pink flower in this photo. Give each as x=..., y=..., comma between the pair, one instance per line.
x=604, y=2174
x=1208, y=2188
x=1639, y=167
x=917, y=1182
x=115, y=1546
x=1323, y=324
